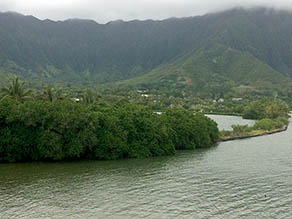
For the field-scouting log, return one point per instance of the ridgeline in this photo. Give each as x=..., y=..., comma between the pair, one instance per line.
x=216, y=53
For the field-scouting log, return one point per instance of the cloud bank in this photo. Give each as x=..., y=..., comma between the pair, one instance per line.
x=106, y=10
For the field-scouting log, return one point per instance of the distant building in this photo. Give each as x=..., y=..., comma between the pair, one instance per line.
x=77, y=100
x=236, y=99
x=141, y=91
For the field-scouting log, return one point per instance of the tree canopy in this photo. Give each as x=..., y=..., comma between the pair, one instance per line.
x=41, y=130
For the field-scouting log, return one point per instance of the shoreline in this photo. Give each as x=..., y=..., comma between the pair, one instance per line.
x=222, y=114
x=231, y=138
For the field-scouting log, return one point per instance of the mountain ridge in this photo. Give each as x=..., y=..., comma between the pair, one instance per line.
x=83, y=51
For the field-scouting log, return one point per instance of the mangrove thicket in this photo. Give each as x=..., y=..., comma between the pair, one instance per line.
x=43, y=130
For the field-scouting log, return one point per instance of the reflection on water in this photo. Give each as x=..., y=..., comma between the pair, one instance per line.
x=249, y=178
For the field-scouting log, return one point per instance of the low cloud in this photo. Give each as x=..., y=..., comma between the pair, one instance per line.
x=106, y=10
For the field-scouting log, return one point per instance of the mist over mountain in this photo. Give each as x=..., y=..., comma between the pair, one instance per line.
x=214, y=48
x=104, y=11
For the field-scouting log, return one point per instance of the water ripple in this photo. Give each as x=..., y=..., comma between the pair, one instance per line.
x=250, y=178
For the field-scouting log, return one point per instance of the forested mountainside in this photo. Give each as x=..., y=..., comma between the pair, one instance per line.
x=232, y=48
x=214, y=70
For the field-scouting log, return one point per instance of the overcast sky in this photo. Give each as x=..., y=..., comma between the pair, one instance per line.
x=106, y=10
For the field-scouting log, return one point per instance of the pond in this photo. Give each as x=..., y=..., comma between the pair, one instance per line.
x=225, y=122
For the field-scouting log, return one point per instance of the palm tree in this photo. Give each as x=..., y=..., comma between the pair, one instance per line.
x=16, y=90
x=51, y=94
x=90, y=97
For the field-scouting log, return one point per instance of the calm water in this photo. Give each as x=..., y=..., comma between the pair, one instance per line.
x=249, y=178
x=225, y=122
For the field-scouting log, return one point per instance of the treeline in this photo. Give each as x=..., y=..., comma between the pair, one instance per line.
x=266, y=108
x=42, y=130
x=271, y=115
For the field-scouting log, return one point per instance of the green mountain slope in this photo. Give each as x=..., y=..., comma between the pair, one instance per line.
x=82, y=50
x=228, y=49
x=211, y=68
x=263, y=33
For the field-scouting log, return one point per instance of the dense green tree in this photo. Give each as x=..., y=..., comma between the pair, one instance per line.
x=36, y=130
x=191, y=130
x=51, y=94
x=266, y=108
x=89, y=97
